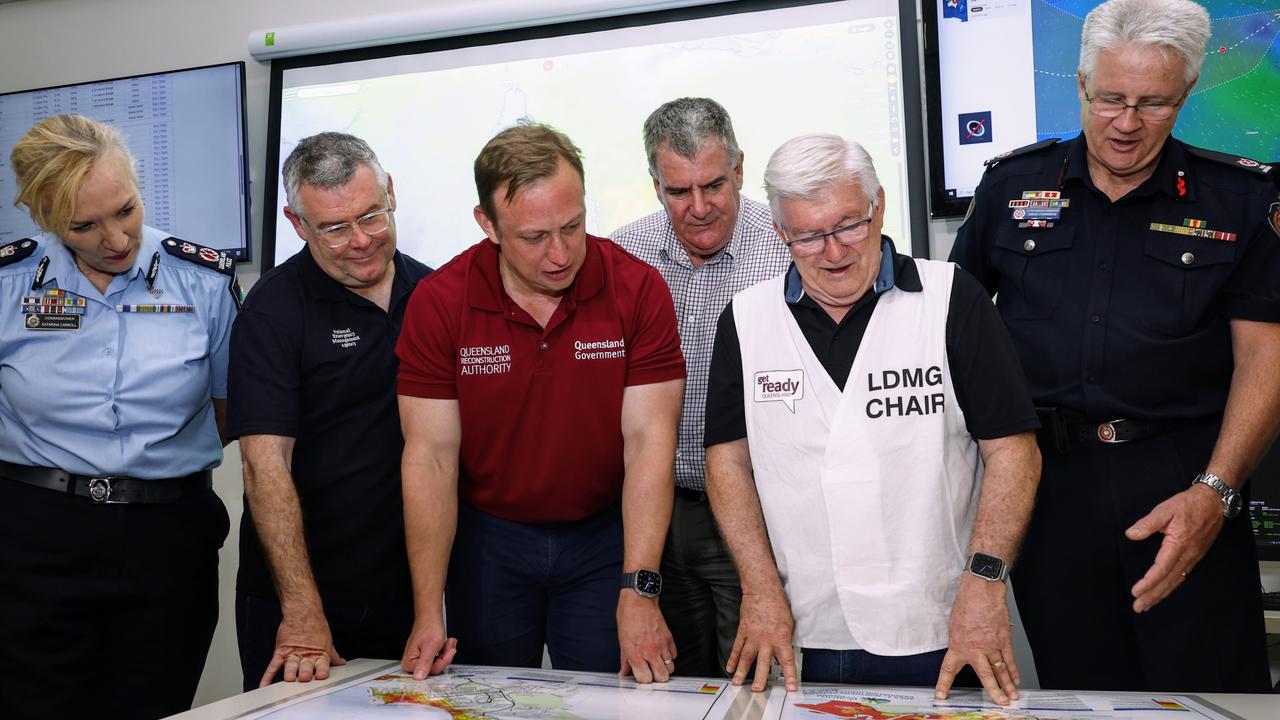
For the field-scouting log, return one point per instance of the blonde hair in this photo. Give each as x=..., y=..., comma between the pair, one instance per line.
x=51, y=161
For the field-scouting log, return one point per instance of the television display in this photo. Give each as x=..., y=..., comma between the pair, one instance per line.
x=186, y=128
x=1001, y=74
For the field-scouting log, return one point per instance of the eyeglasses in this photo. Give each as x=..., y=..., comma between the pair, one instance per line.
x=339, y=236
x=1111, y=108
x=850, y=234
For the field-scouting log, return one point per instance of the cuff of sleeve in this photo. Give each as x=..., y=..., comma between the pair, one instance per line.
x=429, y=390
x=649, y=376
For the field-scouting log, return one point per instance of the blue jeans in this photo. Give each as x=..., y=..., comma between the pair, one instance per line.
x=513, y=587
x=859, y=667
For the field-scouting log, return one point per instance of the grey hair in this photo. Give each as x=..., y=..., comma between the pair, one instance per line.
x=683, y=125
x=327, y=160
x=805, y=167
x=1180, y=27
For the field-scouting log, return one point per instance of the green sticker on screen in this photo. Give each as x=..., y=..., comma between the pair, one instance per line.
x=270, y=39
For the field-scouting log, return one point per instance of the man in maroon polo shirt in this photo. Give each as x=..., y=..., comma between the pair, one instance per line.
x=540, y=384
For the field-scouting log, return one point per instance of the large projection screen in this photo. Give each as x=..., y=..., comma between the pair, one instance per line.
x=780, y=68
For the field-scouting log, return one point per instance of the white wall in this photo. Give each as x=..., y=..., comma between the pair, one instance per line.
x=54, y=42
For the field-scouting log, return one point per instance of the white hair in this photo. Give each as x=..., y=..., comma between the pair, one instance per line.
x=807, y=166
x=1180, y=27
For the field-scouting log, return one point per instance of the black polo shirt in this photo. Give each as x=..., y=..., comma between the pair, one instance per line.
x=314, y=361
x=1122, y=309
x=988, y=382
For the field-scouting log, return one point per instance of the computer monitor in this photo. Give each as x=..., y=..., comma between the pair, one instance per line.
x=1264, y=505
x=186, y=129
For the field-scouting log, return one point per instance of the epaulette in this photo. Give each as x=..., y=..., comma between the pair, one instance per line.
x=17, y=250
x=1025, y=149
x=201, y=255
x=1264, y=169
x=208, y=257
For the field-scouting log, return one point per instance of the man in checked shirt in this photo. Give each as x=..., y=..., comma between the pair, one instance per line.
x=709, y=242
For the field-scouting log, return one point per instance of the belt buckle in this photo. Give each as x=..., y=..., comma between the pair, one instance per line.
x=100, y=490
x=1107, y=432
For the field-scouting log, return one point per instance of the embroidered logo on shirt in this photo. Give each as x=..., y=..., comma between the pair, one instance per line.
x=600, y=349
x=484, y=359
x=345, y=338
x=784, y=386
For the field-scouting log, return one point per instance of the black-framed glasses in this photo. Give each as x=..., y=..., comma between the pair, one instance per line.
x=1112, y=108
x=336, y=237
x=851, y=234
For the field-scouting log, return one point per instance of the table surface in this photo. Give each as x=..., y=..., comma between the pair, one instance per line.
x=1249, y=707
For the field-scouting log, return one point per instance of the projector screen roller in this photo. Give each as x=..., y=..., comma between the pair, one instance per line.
x=780, y=69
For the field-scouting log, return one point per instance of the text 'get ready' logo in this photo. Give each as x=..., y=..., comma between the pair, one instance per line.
x=784, y=386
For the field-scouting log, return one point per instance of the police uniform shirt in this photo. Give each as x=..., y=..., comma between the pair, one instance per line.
x=127, y=393
x=1122, y=309
x=988, y=383
x=313, y=361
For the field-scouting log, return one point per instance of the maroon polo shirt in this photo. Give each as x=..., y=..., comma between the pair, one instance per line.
x=541, y=407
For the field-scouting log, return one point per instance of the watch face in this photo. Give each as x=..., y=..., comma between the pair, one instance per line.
x=1234, y=504
x=987, y=566
x=648, y=582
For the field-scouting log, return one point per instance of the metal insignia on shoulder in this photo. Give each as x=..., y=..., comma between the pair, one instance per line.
x=201, y=255
x=1025, y=149
x=17, y=251
x=1244, y=163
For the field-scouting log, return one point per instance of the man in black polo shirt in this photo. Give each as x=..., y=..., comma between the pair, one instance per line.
x=323, y=569
x=1140, y=280
x=848, y=402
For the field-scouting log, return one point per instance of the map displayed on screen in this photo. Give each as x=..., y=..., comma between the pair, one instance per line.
x=1007, y=78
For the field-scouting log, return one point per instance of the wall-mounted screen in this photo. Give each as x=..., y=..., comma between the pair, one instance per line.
x=186, y=128
x=780, y=68
x=1001, y=74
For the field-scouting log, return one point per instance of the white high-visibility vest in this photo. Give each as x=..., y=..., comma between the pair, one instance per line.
x=868, y=494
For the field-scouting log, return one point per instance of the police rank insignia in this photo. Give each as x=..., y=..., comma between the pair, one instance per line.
x=1194, y=228
x=17, y=251
x=53, y=309
x=208, y=257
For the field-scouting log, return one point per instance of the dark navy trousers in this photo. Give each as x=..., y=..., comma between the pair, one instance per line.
x=515, y=587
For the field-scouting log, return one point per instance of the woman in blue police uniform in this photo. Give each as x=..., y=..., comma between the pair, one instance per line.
x=113, y=370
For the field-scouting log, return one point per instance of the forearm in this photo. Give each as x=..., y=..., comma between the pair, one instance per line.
x=735, y=503
x=650, y=416
x=1008, y=492
x=430, y=487
x=277, y=517
x=1252, y=414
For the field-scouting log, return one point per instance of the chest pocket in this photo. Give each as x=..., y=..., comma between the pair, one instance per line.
x=1184, y=276
x=1033, y=265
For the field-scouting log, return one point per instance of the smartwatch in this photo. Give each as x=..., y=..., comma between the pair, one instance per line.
x=1231, y=500
x=646, y=582
x=988, y=567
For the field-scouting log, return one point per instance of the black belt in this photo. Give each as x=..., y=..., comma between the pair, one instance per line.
x=691, y=495
x=109, y=488
x=1056, y=433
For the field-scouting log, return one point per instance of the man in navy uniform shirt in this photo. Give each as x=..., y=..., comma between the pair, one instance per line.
x=1138, y=277
x=322, y=556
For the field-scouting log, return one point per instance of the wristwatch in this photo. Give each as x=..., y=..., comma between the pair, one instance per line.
x=1231, y=500
x=988, y=567
x=646, y=582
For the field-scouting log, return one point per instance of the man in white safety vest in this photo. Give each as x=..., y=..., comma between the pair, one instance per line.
x=871, y=457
